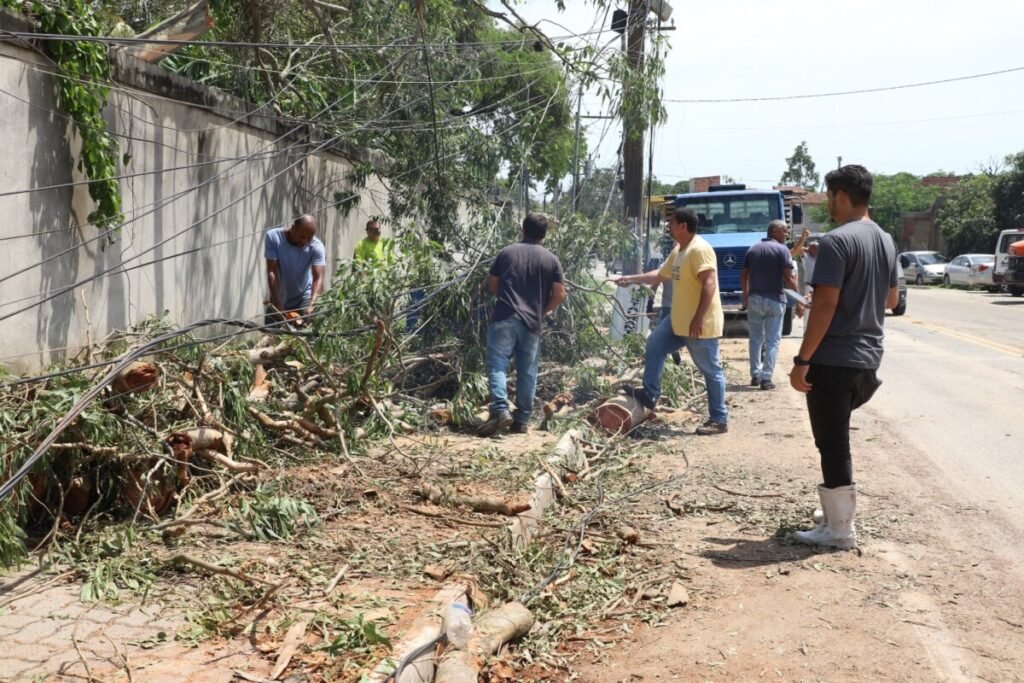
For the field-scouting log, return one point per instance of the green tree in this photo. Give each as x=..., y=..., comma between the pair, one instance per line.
x=897, y=194
x=967, y=217
x=678, y=187
x=800, y=170
x=1008, y=194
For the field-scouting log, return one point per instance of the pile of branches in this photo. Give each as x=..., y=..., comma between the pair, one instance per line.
x=390, y=350
x=184, y=420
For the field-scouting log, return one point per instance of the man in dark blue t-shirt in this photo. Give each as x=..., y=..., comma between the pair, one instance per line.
x=767, y=270
x=527, y=279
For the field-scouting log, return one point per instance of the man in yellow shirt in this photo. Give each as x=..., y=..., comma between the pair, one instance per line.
x=695, y=321
x=372, y=248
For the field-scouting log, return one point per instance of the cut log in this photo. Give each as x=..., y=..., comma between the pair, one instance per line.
x=490, y=632
x=620, y=414
x=271, y=353
x=488, y=504
x=204, y=438
x=181, y=450
x=260, y=390
x=138, y=376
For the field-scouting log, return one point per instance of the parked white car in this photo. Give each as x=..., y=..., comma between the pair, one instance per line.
x=972, y=270
x=923, y=267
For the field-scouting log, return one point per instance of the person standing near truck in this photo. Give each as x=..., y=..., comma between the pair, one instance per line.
x=696, y=320
x=855, y=281
x=767, y=271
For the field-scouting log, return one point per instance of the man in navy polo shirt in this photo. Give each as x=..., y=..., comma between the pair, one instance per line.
x=767, y=270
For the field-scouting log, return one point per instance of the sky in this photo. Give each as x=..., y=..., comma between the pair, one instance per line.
x=763, y=48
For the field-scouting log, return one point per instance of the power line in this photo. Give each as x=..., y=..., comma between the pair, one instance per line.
x=842, y=93
x=353, y=47
x=120, y=267
x=866, y=124
x=184, y=193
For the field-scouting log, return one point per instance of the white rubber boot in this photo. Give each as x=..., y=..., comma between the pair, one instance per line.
x=838, y=530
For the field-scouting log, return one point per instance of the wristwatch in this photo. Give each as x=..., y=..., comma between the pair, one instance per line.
x=797, y=360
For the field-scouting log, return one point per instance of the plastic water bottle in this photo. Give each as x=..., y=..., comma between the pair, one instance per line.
x=458, y=624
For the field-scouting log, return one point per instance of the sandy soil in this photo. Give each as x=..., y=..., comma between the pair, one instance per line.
x=934, y=595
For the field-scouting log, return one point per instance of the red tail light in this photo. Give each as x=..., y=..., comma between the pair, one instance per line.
x=983, y=267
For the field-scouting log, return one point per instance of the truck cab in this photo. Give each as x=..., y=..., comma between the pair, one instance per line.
x=732, y=219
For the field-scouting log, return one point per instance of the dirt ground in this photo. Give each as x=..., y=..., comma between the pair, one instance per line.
x=934, y=595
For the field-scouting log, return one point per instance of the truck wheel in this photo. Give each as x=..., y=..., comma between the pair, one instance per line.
x=900, y=310
x=787, y=322
x=1016, y=291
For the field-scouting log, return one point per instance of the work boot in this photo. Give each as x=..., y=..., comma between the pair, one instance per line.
x=640, y=394
x=837, y=529
x=710, y=428
x=755, y=381
x=767, y=385
x=519, y=425
x=498, y=422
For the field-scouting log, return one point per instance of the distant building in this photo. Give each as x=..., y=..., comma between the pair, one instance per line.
x=919, y=231
x=704, y=182
x=810, y=201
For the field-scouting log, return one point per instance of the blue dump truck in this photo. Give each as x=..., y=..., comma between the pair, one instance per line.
x=732, y=219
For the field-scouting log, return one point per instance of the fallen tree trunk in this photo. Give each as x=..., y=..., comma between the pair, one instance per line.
x=490, y=632
x=271, y=353
x=488, y=504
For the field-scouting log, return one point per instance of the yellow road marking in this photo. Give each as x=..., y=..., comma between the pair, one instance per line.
x=995, y=346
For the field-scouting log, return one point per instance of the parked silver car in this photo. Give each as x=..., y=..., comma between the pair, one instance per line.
x=971, y=270
x=923, y=266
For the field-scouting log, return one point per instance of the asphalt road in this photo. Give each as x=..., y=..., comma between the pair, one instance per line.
x=953, y=390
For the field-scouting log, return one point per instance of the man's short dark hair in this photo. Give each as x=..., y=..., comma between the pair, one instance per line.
x=854, y=180
x=687, y=218
x=373, y=223
x=535, y=226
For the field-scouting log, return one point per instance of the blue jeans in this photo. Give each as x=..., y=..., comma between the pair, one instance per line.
x=508, y=339
x=764, y=320
x=704, y=352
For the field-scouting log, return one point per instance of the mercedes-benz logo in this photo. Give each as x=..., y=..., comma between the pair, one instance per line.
x=729, y=261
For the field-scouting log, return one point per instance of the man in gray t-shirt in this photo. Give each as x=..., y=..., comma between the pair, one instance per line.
x=854, y=283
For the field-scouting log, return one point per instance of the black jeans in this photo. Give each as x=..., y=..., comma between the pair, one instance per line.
x=835, y=393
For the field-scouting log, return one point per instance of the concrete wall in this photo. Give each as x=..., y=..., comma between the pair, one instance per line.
x=213, y=215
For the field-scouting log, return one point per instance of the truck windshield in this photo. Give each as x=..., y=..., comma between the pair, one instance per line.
x=747, y=213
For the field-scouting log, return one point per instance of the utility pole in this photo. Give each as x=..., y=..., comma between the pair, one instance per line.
x=576, y=155
x=633, y=134
x=633, y=131
x=839, y=161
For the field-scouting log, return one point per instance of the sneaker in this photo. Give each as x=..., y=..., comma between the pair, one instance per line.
x=496, y=423
x=640, y=394
x=519, y=428
x=767, y=385
x=755, y=382
x=710, y=428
